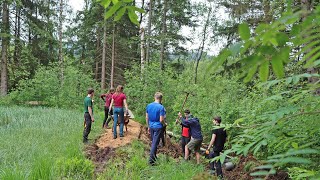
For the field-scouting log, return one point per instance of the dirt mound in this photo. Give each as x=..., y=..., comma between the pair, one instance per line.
x=99, y=156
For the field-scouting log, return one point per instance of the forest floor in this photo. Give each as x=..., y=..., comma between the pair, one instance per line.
x=104, y=148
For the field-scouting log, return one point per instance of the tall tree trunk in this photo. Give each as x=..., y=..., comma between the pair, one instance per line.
x=200, y=51
x=149, y=32
x=164, y=31
x=103, y=66
x=60, y=41
x=5, y=45
x=142, y=50
x=112, y=58
x=97, y=59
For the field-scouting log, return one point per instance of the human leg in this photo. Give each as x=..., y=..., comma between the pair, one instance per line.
x=121, y=116
x=155, y=133
x=87, y=127
x=217, y=164
x=105, y=116
x=115, y=121
x=109, y=117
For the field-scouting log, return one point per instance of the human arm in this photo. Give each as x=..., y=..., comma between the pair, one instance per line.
x=147, y=122
x=91, y=113
x=213, y=138
x=125, y=105
x=103, y=97
x=111, y=104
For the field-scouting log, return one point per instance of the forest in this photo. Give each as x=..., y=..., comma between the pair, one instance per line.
x=254, y=63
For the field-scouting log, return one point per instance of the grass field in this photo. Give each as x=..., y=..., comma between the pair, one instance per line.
x=43, y=143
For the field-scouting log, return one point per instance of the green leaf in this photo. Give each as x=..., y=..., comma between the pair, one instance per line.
x=277, y=66
x=134, y=8
x=105, y=3
x=120, y=14
x=115, y=1
x=244, y=31
x=133, y=17
x=297, y=160
x=112, y=10
x=264, y=71
x=251, y=73
x=260, y=173
x=282, y=38
x=267, y=166
x=295, y=145
x=127, y=1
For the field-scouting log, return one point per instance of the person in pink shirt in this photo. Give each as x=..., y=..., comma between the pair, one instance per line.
x=118, y=103
x=107, y=99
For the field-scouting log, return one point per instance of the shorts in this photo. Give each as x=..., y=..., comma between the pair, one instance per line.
x=194, y=144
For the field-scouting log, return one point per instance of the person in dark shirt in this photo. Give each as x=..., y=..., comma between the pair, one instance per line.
x=196, y=136
x=218, y=139
x=107, y=99
x=185, y=131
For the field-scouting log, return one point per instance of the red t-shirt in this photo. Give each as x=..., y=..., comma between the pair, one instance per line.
x=185, y=132
x=108, y=98
x=118, y=99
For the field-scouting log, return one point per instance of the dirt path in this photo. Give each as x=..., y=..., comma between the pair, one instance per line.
x=106, y=139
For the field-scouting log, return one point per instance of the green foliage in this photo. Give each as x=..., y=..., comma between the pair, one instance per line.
x=43, y=143
x=132, y=163
x=120, y=7
x=47, y=88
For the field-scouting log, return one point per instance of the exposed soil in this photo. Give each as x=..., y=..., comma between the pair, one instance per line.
x=104, y=148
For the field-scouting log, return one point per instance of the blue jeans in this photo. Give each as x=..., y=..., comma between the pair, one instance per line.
x=118, y=112
x=155, y=135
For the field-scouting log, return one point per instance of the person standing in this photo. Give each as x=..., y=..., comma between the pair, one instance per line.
x=155, y=114
x=185, y=131
x=196, y=136
x=218, y=139
x=107, y=99
x=88, y=114
x=118, y=100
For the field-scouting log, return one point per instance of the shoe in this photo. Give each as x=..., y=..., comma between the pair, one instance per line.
x=85, y=141
x=121, y=135
x=114, y=137
x=212, y=172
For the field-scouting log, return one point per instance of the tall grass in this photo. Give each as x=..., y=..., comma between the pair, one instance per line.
x=34, y=142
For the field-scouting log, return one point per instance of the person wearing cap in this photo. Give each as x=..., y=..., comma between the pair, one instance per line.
x=185, y=131
x=155, y=114
x=196, y=136
x=218, y=139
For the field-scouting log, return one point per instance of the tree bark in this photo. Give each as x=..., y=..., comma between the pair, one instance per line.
x=202, y=44
x=142, y=50
x=103, y=66
x=60, y=41
x=149, y=32
x=164, y=31
x=112, y=58
x=4, y=51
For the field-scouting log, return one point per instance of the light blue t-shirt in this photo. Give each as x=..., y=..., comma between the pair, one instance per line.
x=155, y=110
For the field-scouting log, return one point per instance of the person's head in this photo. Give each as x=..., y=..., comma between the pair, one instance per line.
x=119, y=89
x=158, y=97
x=90, y=92
x=216, y=120
x=186, y=112
x=111, y=90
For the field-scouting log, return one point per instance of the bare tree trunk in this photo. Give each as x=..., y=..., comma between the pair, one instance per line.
x=103, y=66
x=112, y=58
x=149, y=32
x=200, y=52
x=5, y=45
x=164, y=31
x=60, y=41
x=142, y=50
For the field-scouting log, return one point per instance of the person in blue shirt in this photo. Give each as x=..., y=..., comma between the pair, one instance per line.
x=155, y=114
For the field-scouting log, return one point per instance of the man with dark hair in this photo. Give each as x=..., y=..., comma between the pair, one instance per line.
x=196, y=136
x=218, y=139
x=155, y=114
x=185, y=131
x=88, y=114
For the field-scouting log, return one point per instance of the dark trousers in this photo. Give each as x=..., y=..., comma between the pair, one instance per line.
x=184, y=142
x=162, y=136
x=106, y=119
x=87, y=126
x=155, y=136
x=216, y=165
